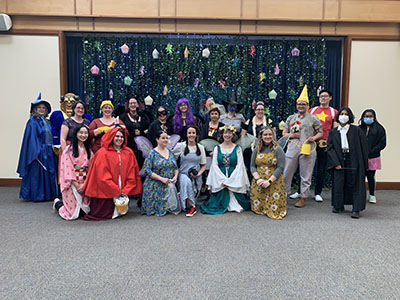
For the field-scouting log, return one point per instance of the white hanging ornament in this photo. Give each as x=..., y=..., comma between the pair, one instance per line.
x=155, y=54
x=206, y=52
x=148, y=101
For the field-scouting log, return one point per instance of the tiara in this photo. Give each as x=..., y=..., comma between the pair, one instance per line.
x=230, y=128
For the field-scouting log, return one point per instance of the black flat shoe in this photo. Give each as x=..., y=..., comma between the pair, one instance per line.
x=355, y=215
x=336, y=211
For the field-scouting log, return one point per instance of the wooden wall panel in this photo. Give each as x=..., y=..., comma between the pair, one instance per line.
x=3, y=6
x=266, y=27
x=208, y=26
x=373, y=10
x=39, y=7
x=85, y=24
x=290, y=10
x=48, y=23
x=248, y=27
x=331, y=10
x=249, y=9
x=126, y=8
x=83, y=7
x=167, y=8
x=327, y=28
x=211, y=9
x=126, y=25
x=167, y=26
x=373, y=29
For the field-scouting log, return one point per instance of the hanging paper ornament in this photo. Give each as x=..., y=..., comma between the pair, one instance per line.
x=272, y=94
x=319, y=89
x=261, y=77
x=206, y=52
x=239, y=91
x=295, y=52
x=128, y=80
x=111, y=64
x=252, y=50
x=196, y=83
x=165, y=91
x=236, y=62
x=301, y=81
x=180, y=76
x=222, y=83
x=148, y=101
x=169, y=48
x=253, y=104
x=155, y=54
x=97, y=45
x=94, y=70
x=124, y=49
x=186, y=53
x=277, y=71
x=141, y=70
x=111, y=94
x=314, y=64
x=281, y=125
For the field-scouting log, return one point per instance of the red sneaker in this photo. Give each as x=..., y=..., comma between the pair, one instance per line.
x=191, y=212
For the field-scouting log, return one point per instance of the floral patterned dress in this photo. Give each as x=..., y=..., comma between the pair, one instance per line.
x=154, y=191
x=270, y=201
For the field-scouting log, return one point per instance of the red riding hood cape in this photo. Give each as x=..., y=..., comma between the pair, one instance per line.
x=102, y=179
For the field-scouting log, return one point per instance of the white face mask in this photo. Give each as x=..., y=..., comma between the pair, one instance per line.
x=343, y=119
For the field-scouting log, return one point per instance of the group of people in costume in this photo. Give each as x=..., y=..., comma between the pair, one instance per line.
x=93, y=168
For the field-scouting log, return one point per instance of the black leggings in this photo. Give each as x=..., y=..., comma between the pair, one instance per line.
x=371, y=182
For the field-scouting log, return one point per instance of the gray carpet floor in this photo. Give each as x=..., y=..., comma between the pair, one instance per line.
x=310, y=254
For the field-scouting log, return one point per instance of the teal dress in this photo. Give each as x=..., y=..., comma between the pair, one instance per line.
x=219, y=201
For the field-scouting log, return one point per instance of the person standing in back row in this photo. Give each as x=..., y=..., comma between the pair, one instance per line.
x=326, y=116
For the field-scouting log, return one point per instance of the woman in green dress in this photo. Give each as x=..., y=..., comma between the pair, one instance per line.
x=227, y=178
x=267, y=193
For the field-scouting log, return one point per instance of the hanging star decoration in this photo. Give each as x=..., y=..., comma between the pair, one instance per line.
x=272, y=94
x=165, y=91
x=124, y=49
x=277, y=71
x=239, y=91
x=301, y=81
x=169, y=48
x=281, y=125
x=206, y=52
x=180, y=76
x=128, y=80
x=141, y=70
x=262, y=77
x=111, y=94
x=196, y=83
x=252, y=50
x=319, y=89
x=222, y=83
x=111, y=64
x=186, y=53
x=94, y=70
x=295, y=52
x=155, y=54
x=236, y=61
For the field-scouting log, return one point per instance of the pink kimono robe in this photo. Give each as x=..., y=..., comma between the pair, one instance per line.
x=73, y=168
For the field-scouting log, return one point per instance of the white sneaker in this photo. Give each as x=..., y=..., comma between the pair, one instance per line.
x=318, y=198
x=372, y=199
x=54, y=204
x=294, y=196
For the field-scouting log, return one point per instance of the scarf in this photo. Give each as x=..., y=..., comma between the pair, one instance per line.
x=343, y=136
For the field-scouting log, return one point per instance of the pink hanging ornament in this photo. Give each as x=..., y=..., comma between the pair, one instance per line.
x=252, y=50
x=277, y=71
x=295, y=52
x=180, y=76
x=222, y=83
x=124, y=49
x=196, y=83
x=95, y=70
x=111, y=94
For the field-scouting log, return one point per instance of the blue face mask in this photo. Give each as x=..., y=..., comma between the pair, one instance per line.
x=231, y=108
x=368, y=121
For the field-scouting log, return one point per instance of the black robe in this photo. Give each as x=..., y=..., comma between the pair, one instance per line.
x=348, y=185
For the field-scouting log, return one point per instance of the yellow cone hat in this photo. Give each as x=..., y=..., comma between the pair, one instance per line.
x=304, y=95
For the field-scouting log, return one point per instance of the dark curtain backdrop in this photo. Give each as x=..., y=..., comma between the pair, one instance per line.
x=325, y=55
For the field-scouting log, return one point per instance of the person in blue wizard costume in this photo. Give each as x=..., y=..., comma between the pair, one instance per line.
x=58, y=116
x=37, y=162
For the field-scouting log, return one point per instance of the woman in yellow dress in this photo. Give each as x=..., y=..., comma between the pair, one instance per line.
x=267, y=193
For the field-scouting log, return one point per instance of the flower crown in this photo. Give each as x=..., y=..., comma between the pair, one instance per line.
x=230, y=128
